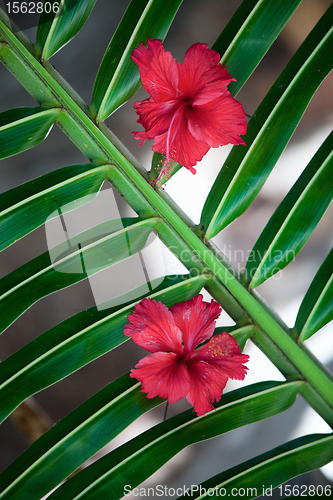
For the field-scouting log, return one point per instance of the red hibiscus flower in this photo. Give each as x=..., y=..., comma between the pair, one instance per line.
x=190, y=109
x=176, y=369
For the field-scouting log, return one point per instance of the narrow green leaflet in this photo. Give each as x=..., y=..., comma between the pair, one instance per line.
x=247, y=167
x=295, y=219
x=238, y=43
x=69, y=443
x=71, y=261
x=118, y=77
x=63, y=21
x=23, y=128
x=26, y=207
x=77, y=341
x=146, y=453
x=257, y=476
x=316, y=309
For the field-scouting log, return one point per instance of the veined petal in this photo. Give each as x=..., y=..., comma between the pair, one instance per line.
x=162, y=375
x=199, y=55
x=201, y=78
x=213, y=89
x=219, y=122
x=179, y=144
x=196, y=320
x=206, y=385
x=158, y=70
x=223, y=352
x=155, y=117
x=152, y=327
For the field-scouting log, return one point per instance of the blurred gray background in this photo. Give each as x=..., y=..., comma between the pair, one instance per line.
x=78, y=63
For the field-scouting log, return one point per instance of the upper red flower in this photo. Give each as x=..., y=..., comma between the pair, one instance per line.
x=175, y=369
x=190, y=109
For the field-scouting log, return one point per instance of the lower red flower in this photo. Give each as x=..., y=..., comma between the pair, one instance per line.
x=190, y=109
x=176, y=369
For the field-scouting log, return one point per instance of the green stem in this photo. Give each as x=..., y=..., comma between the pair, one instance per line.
x=174, y=229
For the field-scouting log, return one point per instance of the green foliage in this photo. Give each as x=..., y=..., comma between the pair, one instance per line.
x=39, y=277
x=316, y=308
x=144, y=454
x=273, y=468
x=24, y=128
x=254, y=20
x=97, y=421
x=295, y=219
x=60, y=25
x=78, y=340
x=27, y=206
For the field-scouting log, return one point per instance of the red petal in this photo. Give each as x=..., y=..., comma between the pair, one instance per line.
x=152, y=327
x=158, y=70
x=196, y=320
x=206, y=385
x=155, y=117
x=201, y=78
x=162, y=375
x=219, y=122
x=223, y=352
